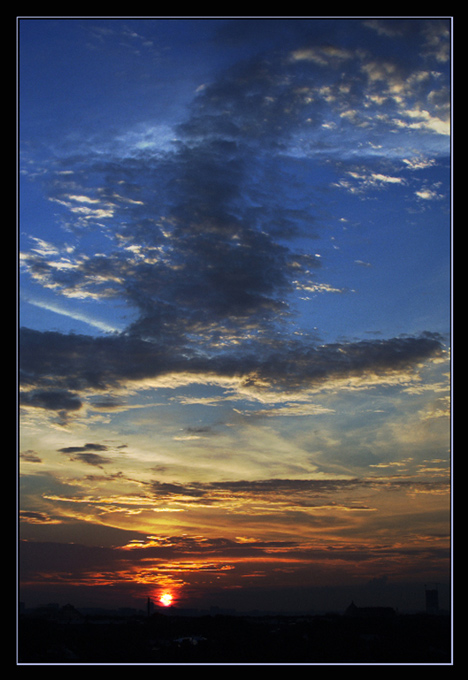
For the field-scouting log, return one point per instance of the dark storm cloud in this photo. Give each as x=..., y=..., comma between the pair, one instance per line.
x=315, y=364
x=52, y=399
x=79, y=362
x=53, y=363
x=259, y=101
x=203, y=208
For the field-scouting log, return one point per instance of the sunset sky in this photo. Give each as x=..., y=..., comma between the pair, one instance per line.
x=234, y=311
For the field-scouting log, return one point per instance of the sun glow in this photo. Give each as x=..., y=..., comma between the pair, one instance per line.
x=166, y=599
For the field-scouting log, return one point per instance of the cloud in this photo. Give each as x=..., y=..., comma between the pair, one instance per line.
x=91, y=459
x=279, y=500
x=318, y=288
x=201, y=252
x=429, y=194
x=362, y=179
x=389, y=28
x=418, y=118
x=30, y=456
x=82, y=449
x=87, y=454
x=419, y=163
x=73, y=203
x=205, y=263
x=194, y=433
x=437, y=40
x=324, y=55
x=34, y=517
x=291, y=409
x=52, y=399
x=73, y=314
x=53, y=364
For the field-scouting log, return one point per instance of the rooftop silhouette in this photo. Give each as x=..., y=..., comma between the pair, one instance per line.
x=54, y=634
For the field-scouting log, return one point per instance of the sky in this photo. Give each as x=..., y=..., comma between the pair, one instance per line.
x=234, y=311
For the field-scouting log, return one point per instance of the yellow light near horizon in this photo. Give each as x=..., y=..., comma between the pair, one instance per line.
x=166, y=599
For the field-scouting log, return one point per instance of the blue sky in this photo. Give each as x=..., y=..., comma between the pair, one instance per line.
x=235, y=244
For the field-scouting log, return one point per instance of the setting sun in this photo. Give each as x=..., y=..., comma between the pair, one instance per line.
x=166, y=599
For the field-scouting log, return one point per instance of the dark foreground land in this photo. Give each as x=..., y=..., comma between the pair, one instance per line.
x=166, y=639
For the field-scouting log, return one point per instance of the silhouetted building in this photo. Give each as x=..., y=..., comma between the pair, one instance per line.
x=432, y=600
x=149, y=607
x=68, y=614
x=53, y=612
x=368, y=612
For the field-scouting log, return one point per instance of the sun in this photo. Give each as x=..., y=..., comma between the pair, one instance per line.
x=166, y=599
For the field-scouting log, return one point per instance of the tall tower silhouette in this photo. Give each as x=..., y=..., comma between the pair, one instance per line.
x=149, y=607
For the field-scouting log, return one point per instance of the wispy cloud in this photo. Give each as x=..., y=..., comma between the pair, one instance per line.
x=429, y=194
x=58, y=308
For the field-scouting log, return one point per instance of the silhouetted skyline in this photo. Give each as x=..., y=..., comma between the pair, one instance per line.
x=361, y=635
